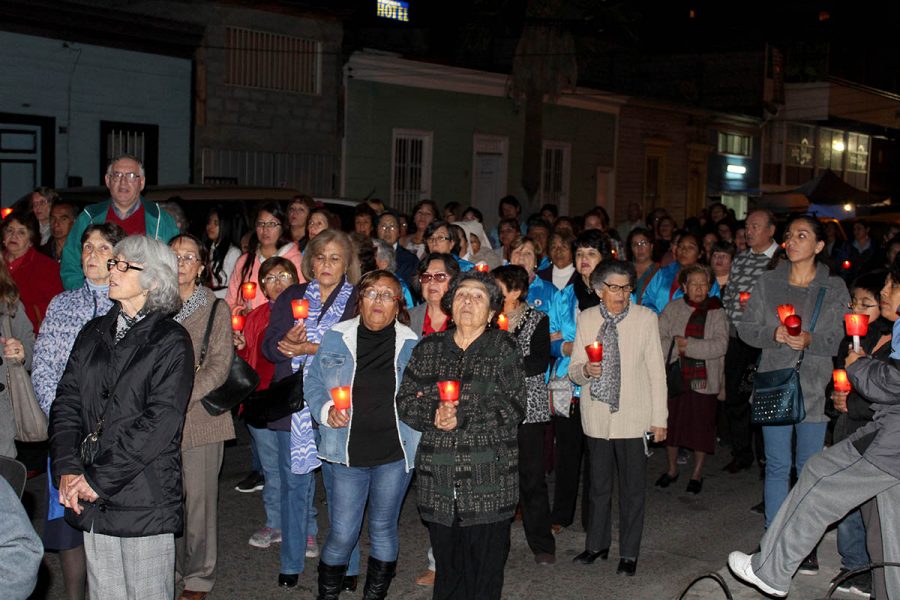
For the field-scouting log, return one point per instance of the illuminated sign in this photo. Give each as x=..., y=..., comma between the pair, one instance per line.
x=393, y=9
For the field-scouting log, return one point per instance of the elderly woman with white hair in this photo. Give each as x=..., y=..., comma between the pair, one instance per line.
x=115, y=427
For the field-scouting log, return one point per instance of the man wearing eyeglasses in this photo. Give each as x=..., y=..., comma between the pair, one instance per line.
x=388, y=229
x=125, y=181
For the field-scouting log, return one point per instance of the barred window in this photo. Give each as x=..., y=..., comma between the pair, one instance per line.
x=555, y=172
x=410, y=168
x=272, y=61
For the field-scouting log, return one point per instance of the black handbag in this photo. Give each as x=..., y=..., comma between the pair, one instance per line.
x=281, y=399
x=777, y=395
x=674, y=380
x=241, y=381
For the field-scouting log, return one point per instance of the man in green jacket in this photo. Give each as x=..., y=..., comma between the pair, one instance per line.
x=125, y=181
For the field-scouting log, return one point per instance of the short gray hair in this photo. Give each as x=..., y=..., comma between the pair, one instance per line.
x=160, y=271
x=384, y=251
x=612, y=267
x=119, y=157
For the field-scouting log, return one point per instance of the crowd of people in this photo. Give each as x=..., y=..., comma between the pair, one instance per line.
x=426, y=348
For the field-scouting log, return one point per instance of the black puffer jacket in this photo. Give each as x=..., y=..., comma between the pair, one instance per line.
x=145, y=380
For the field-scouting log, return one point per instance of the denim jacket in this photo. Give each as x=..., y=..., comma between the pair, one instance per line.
x=333, y=365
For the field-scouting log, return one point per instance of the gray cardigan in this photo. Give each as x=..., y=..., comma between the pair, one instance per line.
x=711, y=349
x=21, y=549
x=23, y=331
x=758, y=323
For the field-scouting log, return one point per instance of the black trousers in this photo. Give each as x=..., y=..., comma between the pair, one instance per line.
x=737, y=406
x=569, y=452
x=469, y=561
x=625, y=458
x=533, y=495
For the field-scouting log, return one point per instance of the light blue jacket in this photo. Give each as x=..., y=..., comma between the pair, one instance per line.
x=540, y=296
x=333, y=365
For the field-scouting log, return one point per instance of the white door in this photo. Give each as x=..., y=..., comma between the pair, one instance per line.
x=20, y=158
x=489, y=172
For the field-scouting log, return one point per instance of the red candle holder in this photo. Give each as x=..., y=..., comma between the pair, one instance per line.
x=856, y=324
x=248, y=290
x=743, y=297
x=237, y=322
x=503, y=322
x=846, y=265
x=448, y=390
x=300, y=308
x=594, y=352
x=482, y=267
x=841, y=382
x=341, y=397
x=784, y=311
x=5, y=212
x=793, y=324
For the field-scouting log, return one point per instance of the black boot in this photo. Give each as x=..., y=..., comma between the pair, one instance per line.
x=330, y=579
x=378, y=578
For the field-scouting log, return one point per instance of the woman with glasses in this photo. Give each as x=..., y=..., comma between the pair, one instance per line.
x=439, y=239
x=331, y=266
x=467, y=478
x=277, y=274
x=623, y=396
x=436, y=273
x=204, y=436
x=36, y=275
x=115, y=427
x=269, y=238
x=371, y=452
x=67, y=314
x=639, y=250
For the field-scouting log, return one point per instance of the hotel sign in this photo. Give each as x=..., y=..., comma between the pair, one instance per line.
x=393, y=9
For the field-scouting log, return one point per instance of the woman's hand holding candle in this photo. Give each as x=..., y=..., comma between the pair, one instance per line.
x=445, y=415
x=594, y=352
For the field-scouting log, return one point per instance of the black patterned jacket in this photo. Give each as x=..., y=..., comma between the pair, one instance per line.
x=468, y=475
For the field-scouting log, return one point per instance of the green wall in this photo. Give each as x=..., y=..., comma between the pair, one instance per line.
x=375, y=109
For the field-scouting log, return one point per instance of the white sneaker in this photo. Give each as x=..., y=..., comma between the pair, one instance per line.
x=739, y=563
x=312, y=548
x=265, y=537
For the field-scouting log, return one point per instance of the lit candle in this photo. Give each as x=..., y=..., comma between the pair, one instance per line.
x=857, y=326
x=482, y=267
x=845, y=265
x=743, y=297
x=237, y=322
x=300, y=308
x=5, y=212
x=841, y=383
x=341, y=397
x=248, y=290
x=503, y=322
x=784, y=311
x=594, y=352
x=793, y=324
x=448, y=390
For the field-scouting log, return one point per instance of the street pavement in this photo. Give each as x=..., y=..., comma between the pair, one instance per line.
x=685, y=537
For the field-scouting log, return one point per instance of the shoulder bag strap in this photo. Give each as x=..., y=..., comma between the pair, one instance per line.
x=209, y=324
x=815, y=317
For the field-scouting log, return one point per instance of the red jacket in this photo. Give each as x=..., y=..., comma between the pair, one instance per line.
x=254, y=332
x=37, y=277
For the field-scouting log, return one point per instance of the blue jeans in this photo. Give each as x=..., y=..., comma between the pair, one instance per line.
x=266, y=443
x=328, y=482
x=384, y=486
x=851, y=541
x=810, y=439
x=312, y=514
x=294, y=508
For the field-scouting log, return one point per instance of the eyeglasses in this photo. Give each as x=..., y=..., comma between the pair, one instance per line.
x=129, y=177
x=618, y=289
x=438, y=238
x=282, y=277
x=387, y=227
x=640, y=243
x=857, y=305
x=121, y=265
x=385, y=297
x=438, y=277
x=186, y=258
x=267, y=224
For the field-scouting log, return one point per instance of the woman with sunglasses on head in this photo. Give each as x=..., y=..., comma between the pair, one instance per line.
x=370, y=451
x=270, y=238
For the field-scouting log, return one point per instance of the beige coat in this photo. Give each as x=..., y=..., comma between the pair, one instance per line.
x=642, y=402
x=199, y=426
x=710, y=349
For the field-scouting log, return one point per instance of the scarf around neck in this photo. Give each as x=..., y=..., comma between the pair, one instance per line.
x=606, y=388
x=197, y=301
x=319, y=320
x=694, y=369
